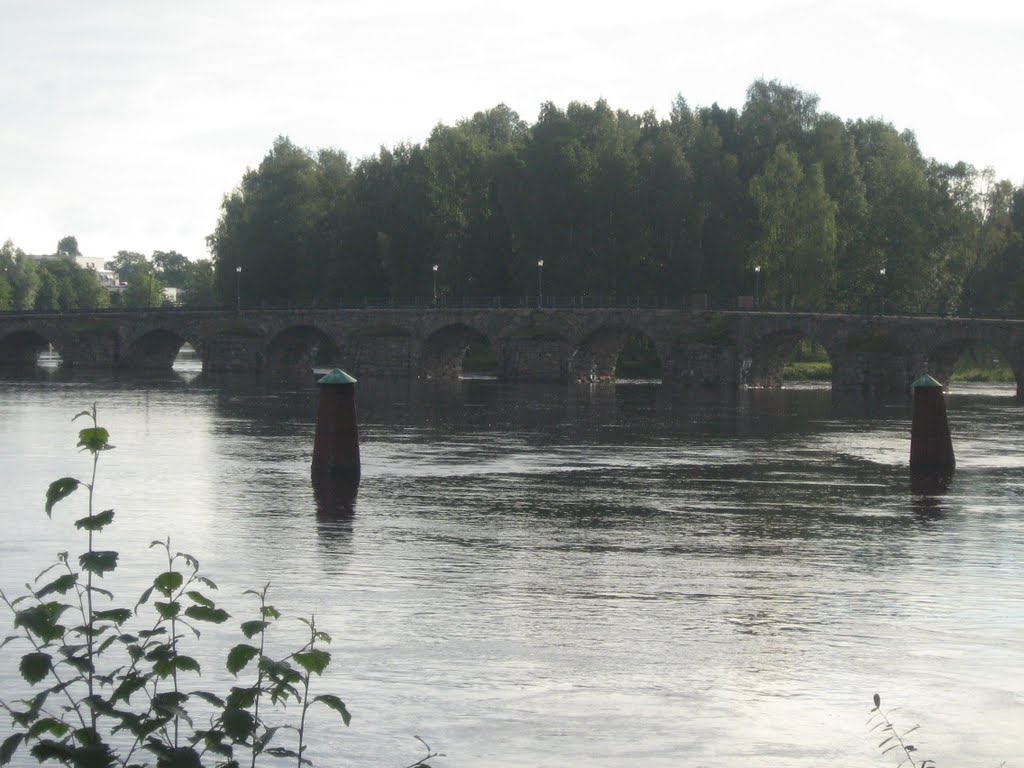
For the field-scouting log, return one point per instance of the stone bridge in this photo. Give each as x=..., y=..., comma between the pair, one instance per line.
x=732, y=349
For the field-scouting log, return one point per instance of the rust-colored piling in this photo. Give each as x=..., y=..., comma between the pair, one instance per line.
x=336, y=444
x=931, y=448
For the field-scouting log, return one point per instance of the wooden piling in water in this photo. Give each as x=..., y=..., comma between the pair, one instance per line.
x=931, y=447
x=336, y=443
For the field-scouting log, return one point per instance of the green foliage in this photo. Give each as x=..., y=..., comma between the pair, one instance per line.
x=101, y=679
x=54, y=284
x=619, y=204
x=807, y=371
x=796, y=249
x=143, y=289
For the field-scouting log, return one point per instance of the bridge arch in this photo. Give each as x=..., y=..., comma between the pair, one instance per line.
x=444, y=350
x=22, y=348
x=293, y=352
x=994, y=352
x=596, y=357
x=154, y=349
x=766, y=357
x=875, y=364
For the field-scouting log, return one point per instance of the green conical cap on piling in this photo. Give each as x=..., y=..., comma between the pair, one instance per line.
x=336, y=376
x=924, y=380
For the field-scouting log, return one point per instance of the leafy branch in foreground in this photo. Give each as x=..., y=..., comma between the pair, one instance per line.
x=894, y=740
x=120, y=695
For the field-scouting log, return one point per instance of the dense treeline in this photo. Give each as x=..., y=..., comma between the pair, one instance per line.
x=54, y=284
x=144, y=278
x=57, y=283
x=622, y=204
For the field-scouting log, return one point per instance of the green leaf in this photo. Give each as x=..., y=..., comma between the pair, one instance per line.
x=167, y=610
x=186, y=664
x=199, y=597
x=132, y=683
x=282, y=752
x=270, y=612
x=336, y=704
x=167, y=582
x=8, y=639
x=241, y=698
x=313, y=660
x=94, y=439
x=144, y=598
x=10, y=746
x=252, y=628
x=48, y=749
x=48, y=725
x=279, y=670
x=60, y=585
x=268, y=733
x=117, y=615
x=59, y=489
x=202, y=613
x=81, y=663
x=36, y=705
x=35, y=666
x=206, y=581
x=238, y=724
x=180, y=757
x=41, y=620
x=98, y=562
x=240, y=656
x=95, y=522
x=170, y=703
x=210, y=698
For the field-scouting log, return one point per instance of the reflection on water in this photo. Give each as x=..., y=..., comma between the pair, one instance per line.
x=569, y=576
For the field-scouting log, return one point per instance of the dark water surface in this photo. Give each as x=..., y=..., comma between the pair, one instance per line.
x=574, y=577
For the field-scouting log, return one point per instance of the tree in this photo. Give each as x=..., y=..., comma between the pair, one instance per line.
x=199, y=288
x=143, y=290
x=128, y=264
x=267, y=227
x=900, y=233
x=6, y=290
x=171, y=268
x=24, y=278
x=63, y=285
x=797, y=239
x=775, y=114
x=7, y=266
x=68, y=246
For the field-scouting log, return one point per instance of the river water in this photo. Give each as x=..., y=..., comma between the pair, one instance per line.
x=552, y=576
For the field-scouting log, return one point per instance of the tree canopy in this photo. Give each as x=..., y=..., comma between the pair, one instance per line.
x=835, y=213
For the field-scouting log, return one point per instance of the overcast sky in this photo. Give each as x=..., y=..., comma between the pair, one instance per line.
x=124, y=122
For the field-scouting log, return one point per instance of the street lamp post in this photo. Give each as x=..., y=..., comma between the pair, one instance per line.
x=435, y=284
x=881, y=280
x=757, y=286
x=540, y=283
x=238, y=289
